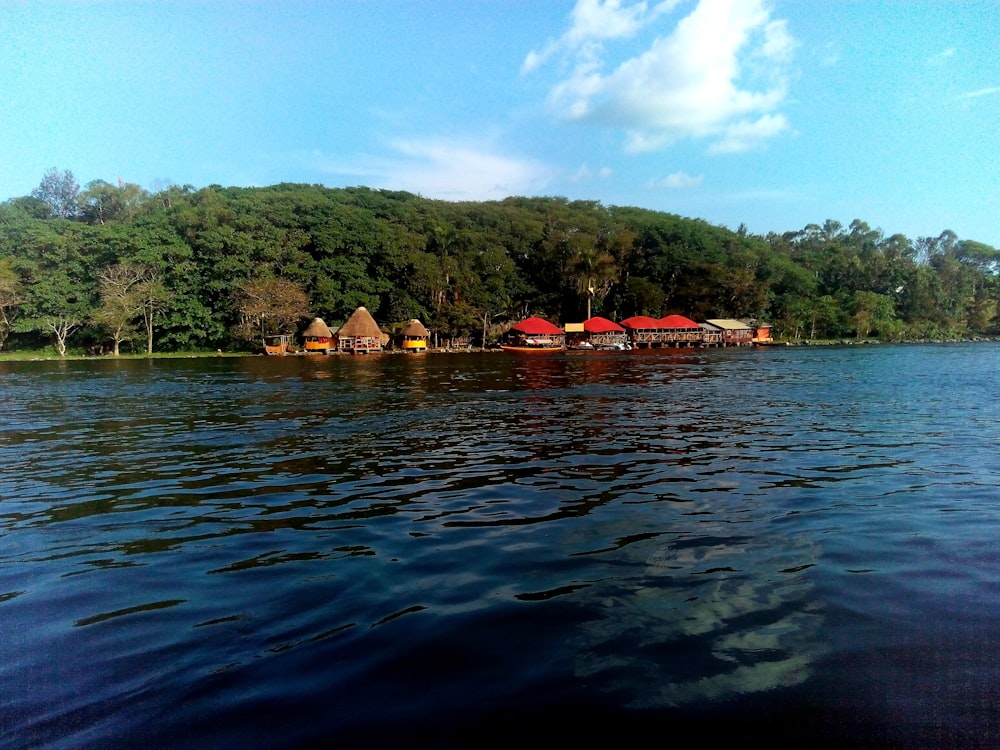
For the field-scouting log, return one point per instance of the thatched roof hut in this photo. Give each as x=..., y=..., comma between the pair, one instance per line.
x=416, y=328
x=360, y=333
x=318, y=329
x=414, y=336
x=318, y=337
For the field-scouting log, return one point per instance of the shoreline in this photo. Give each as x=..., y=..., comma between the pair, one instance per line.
x=38, y=357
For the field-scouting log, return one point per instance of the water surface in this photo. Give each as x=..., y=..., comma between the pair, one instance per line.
x=460, y=549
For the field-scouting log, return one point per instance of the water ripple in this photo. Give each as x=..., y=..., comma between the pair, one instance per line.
x=650, y=532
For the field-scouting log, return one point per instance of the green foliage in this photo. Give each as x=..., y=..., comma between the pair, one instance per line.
x=461, y=268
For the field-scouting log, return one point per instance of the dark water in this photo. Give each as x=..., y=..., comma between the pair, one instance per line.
x=797, y=545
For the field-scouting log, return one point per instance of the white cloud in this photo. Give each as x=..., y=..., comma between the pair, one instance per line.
x=830, y=55
x=778, y=43
x=980, y=92
x=593, y=21
x=584, y=172
x=720, y=74
x=677, y=181
x=447, y=169
x=942, y=56
x=745, y=135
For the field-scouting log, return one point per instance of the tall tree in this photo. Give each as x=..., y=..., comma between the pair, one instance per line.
x=11, y=298
x=62, y=327
x=152, y=297
x=269, y=305
x=101, y=202
x=59, y=190
x=57, y=303
x=593, y=271
x=121, y=301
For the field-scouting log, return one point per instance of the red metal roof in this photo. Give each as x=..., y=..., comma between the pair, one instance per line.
x=601, y=325
x=537, y=327
x=677, y=321
x=642, y=322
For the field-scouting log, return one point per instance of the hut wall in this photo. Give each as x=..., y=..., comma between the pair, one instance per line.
x=682, y=336
x=607, y=338
x=737, y=336
x=360, y=344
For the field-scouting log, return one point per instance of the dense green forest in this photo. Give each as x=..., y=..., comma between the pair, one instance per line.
x=110, y=266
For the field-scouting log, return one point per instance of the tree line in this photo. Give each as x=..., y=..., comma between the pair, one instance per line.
x=105, y=266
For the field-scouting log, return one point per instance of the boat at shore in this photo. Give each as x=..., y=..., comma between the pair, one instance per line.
x=533, y=345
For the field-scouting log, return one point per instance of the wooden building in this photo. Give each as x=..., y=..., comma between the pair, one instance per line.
x=318, y=338
x=761, y=332
x=710, y=335
x=360, y=334
x=676, y=330
x=534, y=335
x=732, y=332
x=643, y=331
x=602, y=333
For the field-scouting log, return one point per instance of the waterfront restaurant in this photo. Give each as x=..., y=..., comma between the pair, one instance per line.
x=643, y=331
x=680, y=331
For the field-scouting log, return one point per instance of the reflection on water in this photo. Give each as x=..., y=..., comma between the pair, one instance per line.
x=284, y=551
x=704, y=619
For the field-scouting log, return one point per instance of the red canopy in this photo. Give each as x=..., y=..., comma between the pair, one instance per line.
x=642, y=322
x=538, y=327
x=677, y=321
x=601, y=325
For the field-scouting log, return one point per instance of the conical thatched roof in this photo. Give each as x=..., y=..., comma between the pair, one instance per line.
x=361, y=323
x=319, y=329
x=415, y=328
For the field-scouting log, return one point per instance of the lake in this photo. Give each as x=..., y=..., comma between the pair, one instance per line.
x=796, y=545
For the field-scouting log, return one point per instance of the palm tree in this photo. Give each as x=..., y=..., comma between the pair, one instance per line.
x=594, y=272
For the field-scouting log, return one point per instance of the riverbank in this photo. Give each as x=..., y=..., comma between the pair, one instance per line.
x=43, y=356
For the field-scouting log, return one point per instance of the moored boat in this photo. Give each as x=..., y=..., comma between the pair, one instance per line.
x=533, y=344
x=278, y=345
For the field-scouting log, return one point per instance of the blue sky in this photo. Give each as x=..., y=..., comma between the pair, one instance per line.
x=774, y=114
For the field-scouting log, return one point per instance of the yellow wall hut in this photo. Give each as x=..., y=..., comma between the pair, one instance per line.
x=415, y=337
x=318, y=338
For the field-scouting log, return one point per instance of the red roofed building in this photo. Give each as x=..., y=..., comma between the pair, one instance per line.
x=602, y=325
x=643, y=331
x=680, y=331
x=537, y=327
x=535, y=334
x=595, y=333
